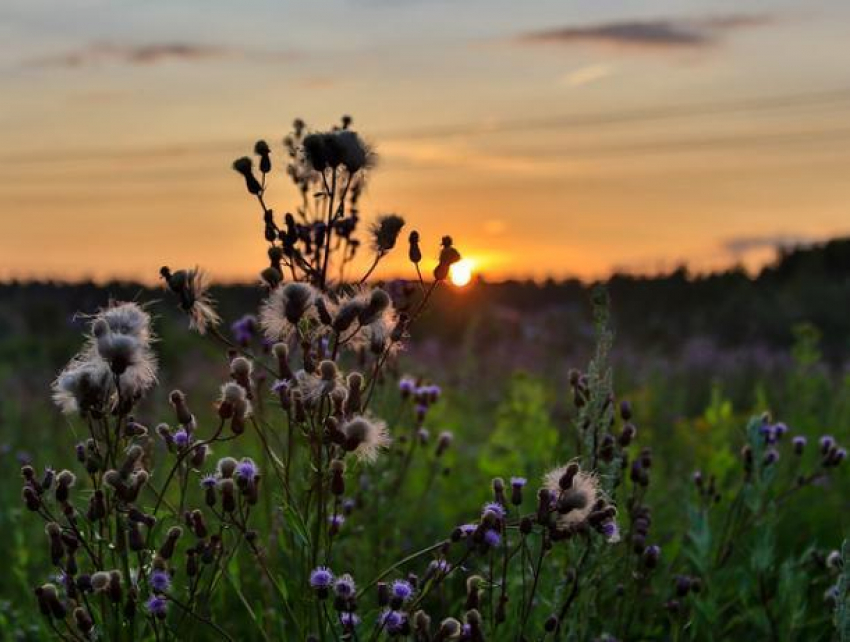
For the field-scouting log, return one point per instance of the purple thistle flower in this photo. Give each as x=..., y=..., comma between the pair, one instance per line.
x=208, y=481
x=494, y=507
x=348, y=620
x=157, y=606
x=160, y=581
x=840, y=455
x=181, y=438
x=518, y=482
x=826, y=442
x=247, y=469
x=780, y=429
x=406, y=385
x=402, y=590
x=321, y=577
x=611, y=531
x=392, y=621
x=345, y=587
x=280, y=385
x=348, y=505
x=468, y=529
x=799, y=443
x=492, y=538
x=439, y=566
x=771, y=456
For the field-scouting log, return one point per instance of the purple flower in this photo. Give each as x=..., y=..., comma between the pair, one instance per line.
x=441, y=567
x=494, y=507
x=392, y=621
x=348, y=620
x=160, y=581
x=518, y=482
x=181, y=438
x=840, y=455
x=799, y=443
x=247, y=469
x=280, y=385
x=321, y=578
x=406, y=386
x=611, y=531
x=402, y=590
x=345, y=587
x=157, y=606
x=348, y=505
x=780, y=429
x=209, y=481
x=492, y=538
x=468, y=529
x=243, y=329
x=771, y=456
x=826, y=442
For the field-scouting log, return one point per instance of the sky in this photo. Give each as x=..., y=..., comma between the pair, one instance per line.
x=550, y=138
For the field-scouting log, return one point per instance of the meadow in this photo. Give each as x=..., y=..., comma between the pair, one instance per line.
x=326, y=456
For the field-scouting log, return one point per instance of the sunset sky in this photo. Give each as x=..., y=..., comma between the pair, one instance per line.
x=550, y=138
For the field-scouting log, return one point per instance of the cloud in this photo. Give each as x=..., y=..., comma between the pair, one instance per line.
x=745, y=244
x=145, y=54
x=666, y=33
x=587, y=75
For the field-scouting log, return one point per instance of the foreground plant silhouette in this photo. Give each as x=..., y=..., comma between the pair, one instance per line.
x=300, y=479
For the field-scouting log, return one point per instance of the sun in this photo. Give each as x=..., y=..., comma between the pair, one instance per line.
x=461, y=272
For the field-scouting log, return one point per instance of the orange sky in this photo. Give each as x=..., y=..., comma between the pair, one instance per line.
x=560, y=139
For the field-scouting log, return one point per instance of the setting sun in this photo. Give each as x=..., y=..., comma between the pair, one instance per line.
x=461, y=272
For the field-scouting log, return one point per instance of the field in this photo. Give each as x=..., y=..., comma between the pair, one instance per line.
x=644, y=459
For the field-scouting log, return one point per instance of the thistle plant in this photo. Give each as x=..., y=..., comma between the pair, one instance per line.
x=281, y=503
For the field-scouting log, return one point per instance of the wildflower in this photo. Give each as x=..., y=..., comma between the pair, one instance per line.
x=651, y=554
x=448, y=257
x=321, y=580
x=385, y=232
x=365, y=438
x=406, y=386
x=335, y=522
x=517, y=484
x=450, y=628
x=492, y=538
x=234, y=402
x=494, y=510
x=799, y=444
x=354, y=153
x=392, y=621
x=160, y=581
x=244, y=329
x=245, y=167
x=191, y=289
x=414, y=254
x=574, y=491
x=226, y=467
x=826, y=442
x=444, y=441
x=181, y=438
x=284, y=309
x=247, y=469
x=345, y=587
x=261, y=149
x=771, y=456
x=157, y=606
x=348, y=620
x=611, y=531
x=401, y=590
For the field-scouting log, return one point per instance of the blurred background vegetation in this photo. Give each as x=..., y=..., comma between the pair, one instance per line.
x=697, y=356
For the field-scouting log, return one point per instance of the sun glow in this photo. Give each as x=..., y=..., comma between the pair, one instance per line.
x=461, y=272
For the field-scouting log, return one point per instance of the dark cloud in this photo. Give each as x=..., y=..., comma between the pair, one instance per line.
x=147, y=54
x=743, y=244
x=661, y=33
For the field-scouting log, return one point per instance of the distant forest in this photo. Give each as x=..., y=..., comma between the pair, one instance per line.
x=650, y=314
